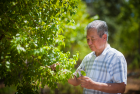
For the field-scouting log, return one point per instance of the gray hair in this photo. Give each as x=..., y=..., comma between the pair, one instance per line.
x=101, y=27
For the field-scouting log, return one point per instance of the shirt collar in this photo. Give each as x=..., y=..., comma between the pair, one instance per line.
x=106, y=49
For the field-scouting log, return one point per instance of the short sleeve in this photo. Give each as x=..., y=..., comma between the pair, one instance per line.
x=118, y=70
x=82, y=65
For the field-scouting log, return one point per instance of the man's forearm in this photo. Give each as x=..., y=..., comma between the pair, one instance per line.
x=110, y=88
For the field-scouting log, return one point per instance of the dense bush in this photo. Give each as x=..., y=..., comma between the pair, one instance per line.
x=30, y=40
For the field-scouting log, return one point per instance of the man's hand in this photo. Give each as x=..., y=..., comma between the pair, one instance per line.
x=86, y=82
x=74, y=81
x=53, y=66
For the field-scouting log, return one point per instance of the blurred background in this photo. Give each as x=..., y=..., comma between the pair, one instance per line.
x=123, y=19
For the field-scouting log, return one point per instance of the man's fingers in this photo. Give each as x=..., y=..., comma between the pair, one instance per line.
x=53, y=66
x=82, y=77
x=83, y=84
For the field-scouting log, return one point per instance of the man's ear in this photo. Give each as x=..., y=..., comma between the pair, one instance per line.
x=105, y=37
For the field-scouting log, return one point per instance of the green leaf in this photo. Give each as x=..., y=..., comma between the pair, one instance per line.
x=83, y=73
x=77, y=75
x=39, y=57
x=57, y=67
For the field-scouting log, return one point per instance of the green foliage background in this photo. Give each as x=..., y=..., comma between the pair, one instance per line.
x=128, y=35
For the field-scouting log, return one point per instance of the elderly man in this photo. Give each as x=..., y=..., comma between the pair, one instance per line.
x=105, y=67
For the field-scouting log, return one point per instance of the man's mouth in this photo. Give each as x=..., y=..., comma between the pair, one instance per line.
x=90, y=46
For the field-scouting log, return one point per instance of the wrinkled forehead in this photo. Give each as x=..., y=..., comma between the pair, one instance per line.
x=92, y=32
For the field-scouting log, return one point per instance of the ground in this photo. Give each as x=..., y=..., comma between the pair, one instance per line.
x=133, y=82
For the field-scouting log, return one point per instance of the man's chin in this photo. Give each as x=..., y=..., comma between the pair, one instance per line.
x=92, y=49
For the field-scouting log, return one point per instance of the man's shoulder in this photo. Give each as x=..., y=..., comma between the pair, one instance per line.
x=113, y=51
x=89, y=55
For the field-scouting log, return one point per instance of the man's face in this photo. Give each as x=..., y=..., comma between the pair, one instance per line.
x=94, y=41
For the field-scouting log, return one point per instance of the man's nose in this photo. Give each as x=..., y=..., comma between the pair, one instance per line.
x=89, y=42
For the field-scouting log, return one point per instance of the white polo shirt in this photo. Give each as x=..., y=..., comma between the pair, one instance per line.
x=109, y=67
